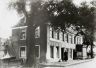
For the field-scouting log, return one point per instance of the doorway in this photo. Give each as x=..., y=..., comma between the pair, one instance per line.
x=62, y=53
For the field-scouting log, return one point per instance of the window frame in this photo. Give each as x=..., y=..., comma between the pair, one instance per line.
x=25, y=52
x=23, y=30
x=52, y=52
x=38, y=50
x=37, y=32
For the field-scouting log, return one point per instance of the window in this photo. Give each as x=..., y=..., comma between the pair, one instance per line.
x=51, y=32
x=76, y=40
x=23, y=34
x=69, y=38
x=61, y=35
x=57, y=52
x=65, y=37
x=23, y=52
x=72, y=39
x=37, y=32
x=58, y=35
x=71, y=53
x=55, y=34
x=37, y=48
x=80, y=40
x=51, y=51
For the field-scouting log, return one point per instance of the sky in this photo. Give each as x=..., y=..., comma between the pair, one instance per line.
x=77, y=2
x=9, y=18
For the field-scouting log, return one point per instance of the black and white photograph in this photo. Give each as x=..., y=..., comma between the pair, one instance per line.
x=47, y=33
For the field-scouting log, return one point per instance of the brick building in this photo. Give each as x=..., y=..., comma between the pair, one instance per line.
x=50, y=44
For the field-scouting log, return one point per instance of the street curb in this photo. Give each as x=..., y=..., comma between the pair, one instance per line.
x=66, y=64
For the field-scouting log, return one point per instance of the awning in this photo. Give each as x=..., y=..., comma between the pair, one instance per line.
x=7, y=56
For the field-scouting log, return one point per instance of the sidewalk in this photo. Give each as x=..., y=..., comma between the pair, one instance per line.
x=64, y=64
x=51, y=64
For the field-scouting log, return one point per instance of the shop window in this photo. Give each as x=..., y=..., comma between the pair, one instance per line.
x=37, y=50
x=23, y=52
x=37, y=32
x=51, y=51
x=23, y=34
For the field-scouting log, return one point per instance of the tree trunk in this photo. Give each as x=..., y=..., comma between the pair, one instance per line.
x=31, y=59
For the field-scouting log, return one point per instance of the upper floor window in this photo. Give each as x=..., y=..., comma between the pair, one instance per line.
x=61, y=36
x=55, y=34
x=51, y=32
x=70, y=38
x=75, y=42
x=23, y=34
x=78, y=40
x=37, y=32
x=58, y=36
x=65, y=37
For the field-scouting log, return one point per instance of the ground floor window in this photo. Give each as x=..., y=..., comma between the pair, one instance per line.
x=51, y=51
x=57, y=51
x=70, y=53
x=23, y=51
x=37, y=50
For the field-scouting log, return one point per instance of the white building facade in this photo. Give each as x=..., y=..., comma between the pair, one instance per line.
x=59, y=41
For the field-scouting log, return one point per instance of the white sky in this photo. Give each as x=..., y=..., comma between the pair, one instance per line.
x=77, y=2
x=7, y=19
x=10, y=18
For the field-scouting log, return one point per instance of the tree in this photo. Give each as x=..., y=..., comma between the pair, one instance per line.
x=61, y=14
